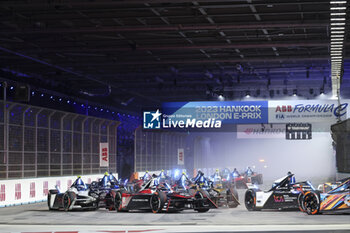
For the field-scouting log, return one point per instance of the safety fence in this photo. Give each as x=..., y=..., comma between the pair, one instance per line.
x=41, y=142
x=157, y=150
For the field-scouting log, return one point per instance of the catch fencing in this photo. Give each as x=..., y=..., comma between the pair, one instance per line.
x=42, y=142
x=155, y=151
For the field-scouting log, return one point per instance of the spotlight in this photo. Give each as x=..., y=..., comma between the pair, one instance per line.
x=68, y=101
x=322, y=91
x=51, y=97
x=60, y=99
x=295, y=92
x=247, y=94
x=221, y=98
x=42, y=95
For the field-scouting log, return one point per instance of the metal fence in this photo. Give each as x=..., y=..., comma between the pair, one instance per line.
x=38, y=142
x=156, y=150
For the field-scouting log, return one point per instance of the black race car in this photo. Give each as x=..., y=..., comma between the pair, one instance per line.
x=160, y=197
x=283, y=195
x=221, y=195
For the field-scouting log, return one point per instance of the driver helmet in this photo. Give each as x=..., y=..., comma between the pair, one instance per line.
x=79, y=184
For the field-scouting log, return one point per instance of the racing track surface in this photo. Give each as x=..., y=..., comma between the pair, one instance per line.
x=37, y=218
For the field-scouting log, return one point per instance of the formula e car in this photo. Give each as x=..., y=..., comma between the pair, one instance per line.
x=252, y=177
x=105, y=190
x=238, y=180
x=161, y=198
x=283, y=195
x=77, y=196
x=337, y=199
x=221, y=195
x=84, y=196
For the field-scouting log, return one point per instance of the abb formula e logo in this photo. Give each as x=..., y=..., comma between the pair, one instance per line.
x=313, y=108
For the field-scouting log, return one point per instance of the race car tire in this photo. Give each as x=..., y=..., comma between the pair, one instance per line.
x=300, y=202
x=231, y=194
x=200, y=195
x=157, y=201
x=95, y=206
x=118, y=201
x=110, y=200
x=66, y=201
x=250, y=200
x=311, y=203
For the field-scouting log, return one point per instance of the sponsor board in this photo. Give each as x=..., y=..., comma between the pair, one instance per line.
x=180, y=156
x=254, y=131
x=218, y=114
x=311, y=111
x=227, y=112
x=104, y=154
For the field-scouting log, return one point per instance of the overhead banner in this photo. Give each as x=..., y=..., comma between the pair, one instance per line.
x=180, y=156
x=268, y=131
x=104, y=154
x=222, y=115
x=298, y=111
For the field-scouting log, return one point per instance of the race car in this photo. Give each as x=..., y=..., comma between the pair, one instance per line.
x=283, y=195
x=105, y=190
x=252, y=177
x=328, y=186
x=83, y=196
x=238, y=180
x=337, y=199
x=77, y=196
x=221, y=195
x=160, y=197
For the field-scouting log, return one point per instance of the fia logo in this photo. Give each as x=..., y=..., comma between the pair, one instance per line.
x=151, y=120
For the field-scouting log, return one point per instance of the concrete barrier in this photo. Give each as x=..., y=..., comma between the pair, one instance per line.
x=31, y=190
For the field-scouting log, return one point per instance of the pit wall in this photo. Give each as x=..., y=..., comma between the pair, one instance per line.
x=26, y=191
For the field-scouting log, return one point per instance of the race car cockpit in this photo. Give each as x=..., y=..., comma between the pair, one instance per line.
x=79, y=184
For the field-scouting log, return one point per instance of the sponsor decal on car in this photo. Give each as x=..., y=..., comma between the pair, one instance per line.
x=144, y=200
